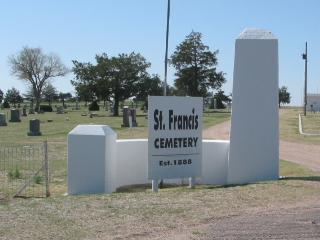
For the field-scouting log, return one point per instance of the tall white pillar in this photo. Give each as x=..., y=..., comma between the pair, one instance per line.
x=254, y=136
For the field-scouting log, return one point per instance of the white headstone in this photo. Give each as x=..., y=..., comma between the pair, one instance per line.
x=254, y=137
x=91, y=165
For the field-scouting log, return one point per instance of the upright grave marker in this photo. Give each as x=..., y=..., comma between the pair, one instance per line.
x=3, y=121
x=175, y=137
x=15, y=115
x=254, y=136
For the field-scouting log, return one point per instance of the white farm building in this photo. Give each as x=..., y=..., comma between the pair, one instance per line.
x=313, y=102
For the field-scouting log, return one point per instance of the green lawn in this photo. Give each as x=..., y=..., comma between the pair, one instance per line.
x=289, y=126
x=136, y=212
x=311, y=123
x=56, y=134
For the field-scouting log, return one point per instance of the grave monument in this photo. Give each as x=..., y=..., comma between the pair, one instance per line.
x=15, y=115
x=3, y=121
x=34, y=127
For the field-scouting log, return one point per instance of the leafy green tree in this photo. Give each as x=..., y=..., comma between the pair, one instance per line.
x=149, y=86
x=49, y=93
x=63, y=97
x=1, y=96
x=85, y=82
x=284, y=96
x=221, y=98
x=13, y=96
x=112, y=78
x=195, y=67
x=37, y=69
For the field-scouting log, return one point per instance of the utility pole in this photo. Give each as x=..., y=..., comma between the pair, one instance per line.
x=305, y=58
x=166, y=65
x=166, y=55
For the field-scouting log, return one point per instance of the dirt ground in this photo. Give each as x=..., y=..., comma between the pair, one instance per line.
x=300, y=221
x=304, y=154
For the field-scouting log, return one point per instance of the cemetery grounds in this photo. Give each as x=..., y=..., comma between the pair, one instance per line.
x=289, y=208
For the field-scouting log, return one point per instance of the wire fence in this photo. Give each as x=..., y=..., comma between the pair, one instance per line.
x=24, y=170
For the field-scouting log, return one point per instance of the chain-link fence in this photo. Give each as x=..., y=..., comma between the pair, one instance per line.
x=24, y=170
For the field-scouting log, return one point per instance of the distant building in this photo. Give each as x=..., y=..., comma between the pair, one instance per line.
x=313, y=102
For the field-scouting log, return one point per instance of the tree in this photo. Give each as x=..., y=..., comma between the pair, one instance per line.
x=85, y=82
x=49, y=93
x=149, y=86
x=284, y=96
x=13, y=96
x=63, y=97
x=37, y=69
x=1, y=96
x=195, y=67
x=112, y=78
x=220, y=98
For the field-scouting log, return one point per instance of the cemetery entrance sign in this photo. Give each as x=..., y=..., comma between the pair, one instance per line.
x=175, y=137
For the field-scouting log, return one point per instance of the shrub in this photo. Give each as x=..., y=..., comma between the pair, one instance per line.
x=37, y=179
x=94, y=106
x=45, y=108
x=6, y=104
x=14, y=174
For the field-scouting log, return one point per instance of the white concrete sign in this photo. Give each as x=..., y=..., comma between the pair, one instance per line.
x=175, y=137
x=254, y=136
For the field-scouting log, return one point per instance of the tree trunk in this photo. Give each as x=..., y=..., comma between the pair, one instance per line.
x=116, y=106
x=37, y=109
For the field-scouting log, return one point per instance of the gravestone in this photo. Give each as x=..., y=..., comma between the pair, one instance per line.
x=3, y=121
x=34, y=127
x=24, y=112
x=77, y=106
x=129, y=117
x=254, y=136
x=60, y=110
x=15, y=115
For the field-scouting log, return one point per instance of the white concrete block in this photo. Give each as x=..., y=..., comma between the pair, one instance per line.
x=91, y=159
x=254, y=136
x=132, y=162
x=214, y=162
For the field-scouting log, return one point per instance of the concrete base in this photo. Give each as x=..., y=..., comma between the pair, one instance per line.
x=34, y=133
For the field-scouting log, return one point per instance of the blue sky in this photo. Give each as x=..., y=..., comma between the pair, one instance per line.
x=80, y=29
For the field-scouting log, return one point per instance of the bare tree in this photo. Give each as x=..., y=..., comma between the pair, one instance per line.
x=37, y=69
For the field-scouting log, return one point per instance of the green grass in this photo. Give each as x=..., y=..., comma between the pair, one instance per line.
x=62, y=124
x=136, y=212
x=142, y=214
x=56, y=134
x=311, y=123
x=289, y=126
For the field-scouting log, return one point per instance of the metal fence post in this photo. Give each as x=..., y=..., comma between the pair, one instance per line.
x=46, y=166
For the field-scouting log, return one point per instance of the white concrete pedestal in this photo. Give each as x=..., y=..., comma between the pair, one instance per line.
x=91, y=166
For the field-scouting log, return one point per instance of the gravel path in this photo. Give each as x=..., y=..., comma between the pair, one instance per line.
x=305, y=154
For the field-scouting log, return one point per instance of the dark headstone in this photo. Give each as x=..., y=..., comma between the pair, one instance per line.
x=15, y=115
x=24, y=112
x=129, y=117
x=60, y=110
x=34, y=127
x=3, y=121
